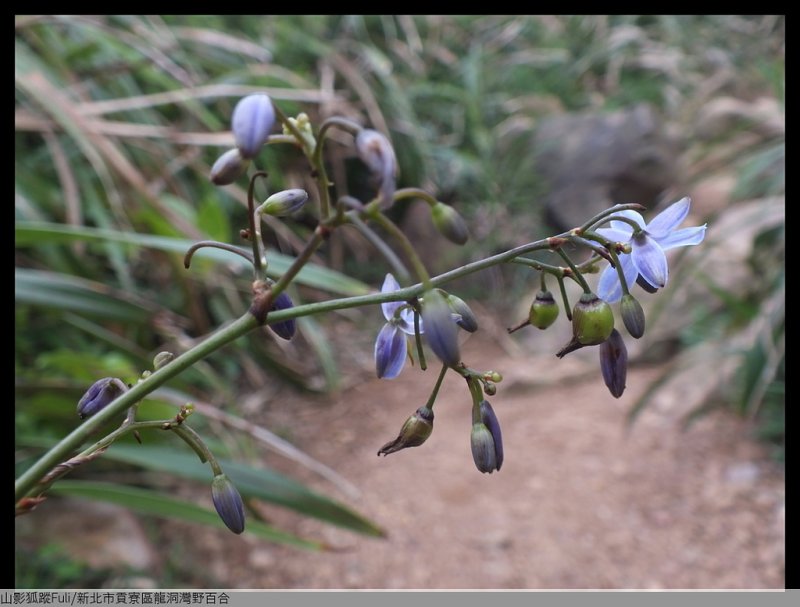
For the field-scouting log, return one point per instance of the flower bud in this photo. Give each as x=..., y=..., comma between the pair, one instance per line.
x=284, y=203
x=493, y=376
x=448, y=221
x=228, y=503
x=161, y=359
x=286, y=328
x=253, y=118
x=377, y=153
x=490, y=388
x=462, y=313
x=440, y=330
x=544, y=310
x=592, y=320
x=228, y=167
x=99, y=396
x=486, y=440
x=614, y=363
x=414, y=432
x=632, y=315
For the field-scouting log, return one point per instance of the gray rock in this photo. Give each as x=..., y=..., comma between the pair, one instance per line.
x=591, y=161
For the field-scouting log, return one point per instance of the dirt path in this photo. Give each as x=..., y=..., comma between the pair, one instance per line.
x=579, y=502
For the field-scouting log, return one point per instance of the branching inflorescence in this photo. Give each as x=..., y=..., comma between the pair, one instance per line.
x=420, y=312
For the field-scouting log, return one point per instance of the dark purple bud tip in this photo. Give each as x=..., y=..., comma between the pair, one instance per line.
x=99, y=396
x=441, y=331
x=252, y=121
x=287, y=328
x=614, y=363
x=228, y=503
x=449, y=223
x=414, y=432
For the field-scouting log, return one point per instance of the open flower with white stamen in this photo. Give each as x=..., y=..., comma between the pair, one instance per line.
x=647, y=258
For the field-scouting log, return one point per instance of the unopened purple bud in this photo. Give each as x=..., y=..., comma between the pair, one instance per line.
x=284, y=203
x=252, y=121
x=614, y=363
x=441, y=330
x=228, y=503
x=632, y=315
x=377, y=153
x=99, y=396
x=228, y=167
x=490, y=419
x=483, y=449
x=286, y=328
x=448, y=221
x=464, y=318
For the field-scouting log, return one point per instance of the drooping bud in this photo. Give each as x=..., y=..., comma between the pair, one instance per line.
x=440, y=329
x=486, y=440
x=99, y=396
x=592, y=320
x=228, y=167
x=377, y=153
x=614, y=363
x=544, y=310
x=161, y=359
x=284, y=203
x=632, y=315
x=415, y=431
x=253, y=118
x=463, y=315
x=286, y=328
x=450, y=223
x=228, y=503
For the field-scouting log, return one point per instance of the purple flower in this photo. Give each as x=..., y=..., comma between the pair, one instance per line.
x=647, y=257
x=442, y=332
x=390, y=347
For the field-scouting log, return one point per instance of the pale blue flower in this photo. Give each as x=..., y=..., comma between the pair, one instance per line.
x=390, y=346
x=647, y=247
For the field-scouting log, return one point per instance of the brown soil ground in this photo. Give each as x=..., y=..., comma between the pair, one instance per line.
x=581, y=502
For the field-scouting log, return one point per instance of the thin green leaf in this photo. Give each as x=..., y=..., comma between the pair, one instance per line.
x=51, y=289
x=156, y=504
x=34, y=233
x=260, y=483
